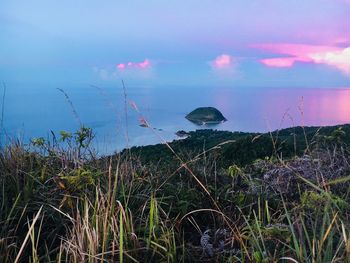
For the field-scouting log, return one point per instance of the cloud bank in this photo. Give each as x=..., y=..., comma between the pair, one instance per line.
x=339, y=59
x=336, y=57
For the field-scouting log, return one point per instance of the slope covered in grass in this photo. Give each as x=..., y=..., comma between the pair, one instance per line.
x=214, y=197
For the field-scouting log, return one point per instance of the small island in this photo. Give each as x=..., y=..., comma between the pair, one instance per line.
x=206, y=115
x=182, y=134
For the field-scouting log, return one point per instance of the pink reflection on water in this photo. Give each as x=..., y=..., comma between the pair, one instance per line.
x=328, y=107
x=314, y=107
x=271, y=109
x=223, y=100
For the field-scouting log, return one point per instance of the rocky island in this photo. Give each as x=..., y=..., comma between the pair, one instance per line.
x=182, y=134
x=206, y=115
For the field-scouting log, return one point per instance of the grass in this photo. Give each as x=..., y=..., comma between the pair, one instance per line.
x=60, y=203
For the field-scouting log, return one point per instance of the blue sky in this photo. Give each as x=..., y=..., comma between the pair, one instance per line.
x=231, y=43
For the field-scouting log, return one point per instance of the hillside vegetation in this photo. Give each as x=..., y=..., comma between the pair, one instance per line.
x=213, y=197
x=240, y=148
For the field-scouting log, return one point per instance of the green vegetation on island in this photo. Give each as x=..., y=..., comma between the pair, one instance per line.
x=240, y=148
x=205, y=115
x=214, y=196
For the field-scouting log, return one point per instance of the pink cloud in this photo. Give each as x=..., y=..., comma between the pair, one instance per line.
x=145, y=64
x=225, y=67
x=279, y=62
x=128, y=70
x=223, y=61
x=121, y=66
x=135, y=65
x=333, y=56
x=298, y=50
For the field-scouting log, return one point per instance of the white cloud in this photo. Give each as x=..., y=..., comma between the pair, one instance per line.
x=337, y=59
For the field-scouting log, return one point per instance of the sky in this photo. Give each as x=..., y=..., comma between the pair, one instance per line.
x=237, y=43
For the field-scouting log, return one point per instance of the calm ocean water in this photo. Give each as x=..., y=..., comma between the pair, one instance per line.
x=34, y=112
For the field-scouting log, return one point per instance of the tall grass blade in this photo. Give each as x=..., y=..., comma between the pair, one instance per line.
x=28, y=235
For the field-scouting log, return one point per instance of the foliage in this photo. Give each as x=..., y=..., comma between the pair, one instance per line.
x=59, y=203
x=242, y=148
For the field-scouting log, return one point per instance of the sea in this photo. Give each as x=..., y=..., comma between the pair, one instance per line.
x=116, y=113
